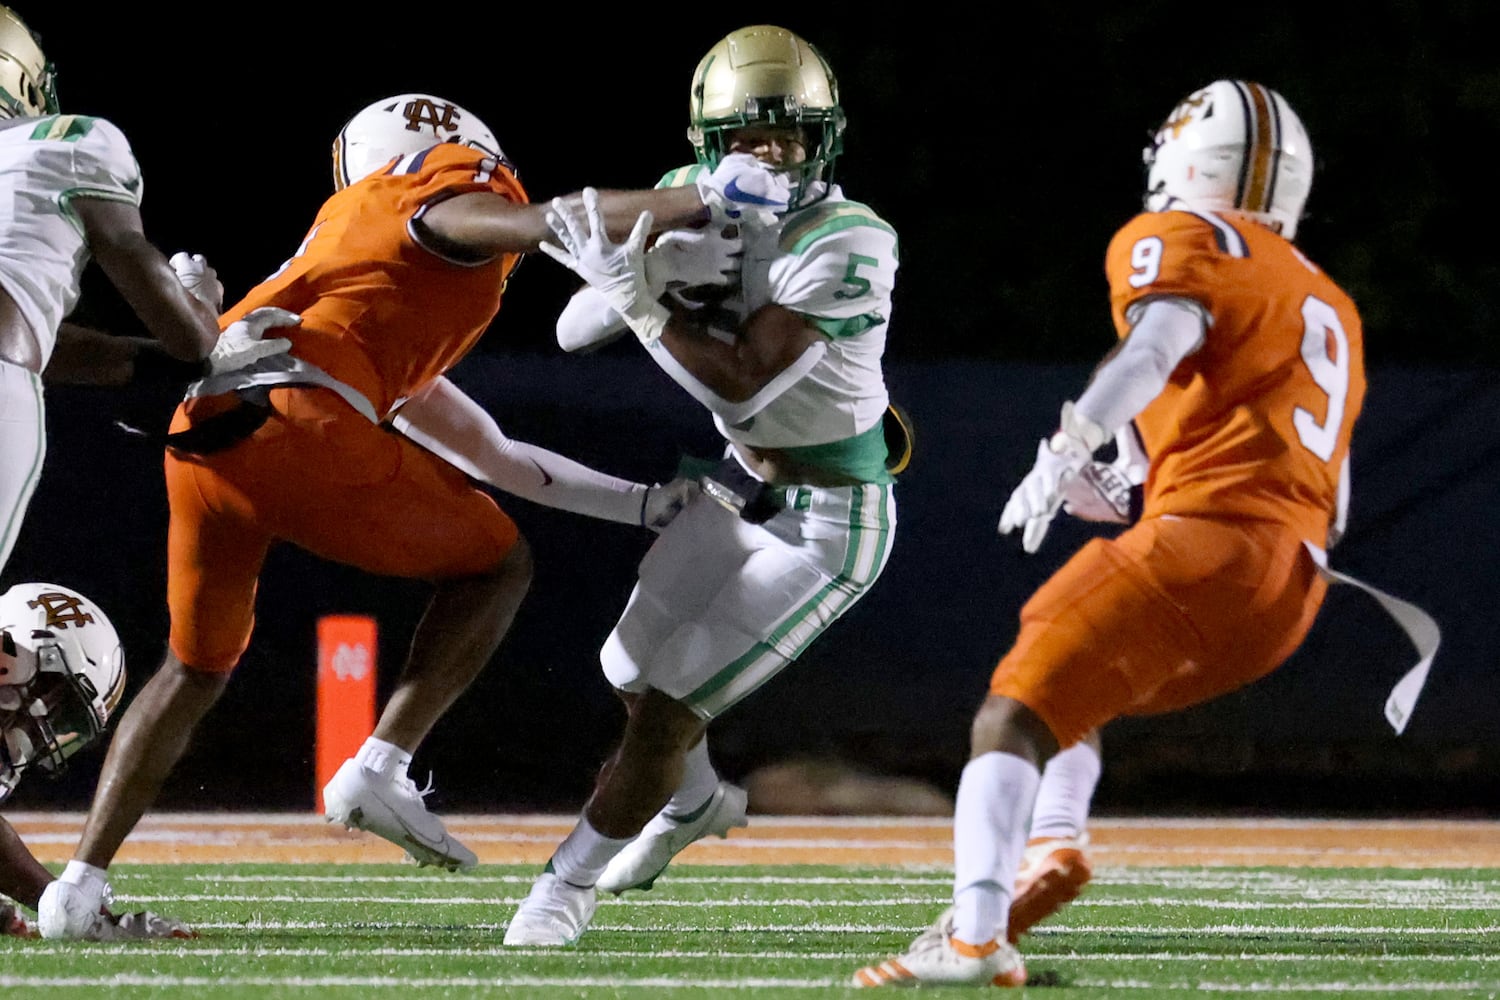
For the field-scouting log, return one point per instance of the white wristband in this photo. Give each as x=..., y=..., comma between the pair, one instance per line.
x=81, y=873
x=1079, y=428
x=648, y=328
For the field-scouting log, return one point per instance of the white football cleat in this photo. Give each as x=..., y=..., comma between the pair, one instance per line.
x=141, y=926
x=69, y=912
x=553, y=914
x=1054, y=871
x=389, y=805
x=936, y=958
x=940, y=928
x=662, y=839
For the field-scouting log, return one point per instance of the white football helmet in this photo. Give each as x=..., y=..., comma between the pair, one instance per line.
x=1234, y=146
x=406, y=123
x=27, y=85
x=62, y=674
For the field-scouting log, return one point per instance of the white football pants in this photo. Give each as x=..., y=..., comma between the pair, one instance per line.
x=23, y=447
x=722, y=605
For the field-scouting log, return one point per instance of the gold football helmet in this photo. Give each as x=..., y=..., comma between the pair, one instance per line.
x=765, y=75
x=26, y=77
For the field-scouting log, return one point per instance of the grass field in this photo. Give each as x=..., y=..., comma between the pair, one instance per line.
x=782, y=922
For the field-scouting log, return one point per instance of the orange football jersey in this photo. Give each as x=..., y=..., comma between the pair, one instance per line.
x=1256, y=422
x=379, y=312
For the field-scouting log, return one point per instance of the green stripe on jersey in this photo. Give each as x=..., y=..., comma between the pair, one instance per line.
x=63, y=128
x=840, y=328
x=681, y=177
x=826, y=218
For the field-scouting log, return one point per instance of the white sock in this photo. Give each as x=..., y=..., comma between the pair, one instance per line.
x=81, y=873
x=978, y=913
x=90, y=879
x=583, y=855
x=1062, y=801
x=383, y=758
x=990, y=818
x=699, y=781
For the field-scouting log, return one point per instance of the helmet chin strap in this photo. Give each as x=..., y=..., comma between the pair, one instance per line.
x=811, y=190
x=1158, y=200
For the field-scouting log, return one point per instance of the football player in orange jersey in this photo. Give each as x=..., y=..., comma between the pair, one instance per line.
x=400, y=274
x=1241, y=365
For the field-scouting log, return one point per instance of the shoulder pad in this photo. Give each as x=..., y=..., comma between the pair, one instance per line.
x=680, y=177
x=826, y=219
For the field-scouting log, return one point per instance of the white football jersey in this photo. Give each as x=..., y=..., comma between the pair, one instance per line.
x=46, y=164
x=835, y=263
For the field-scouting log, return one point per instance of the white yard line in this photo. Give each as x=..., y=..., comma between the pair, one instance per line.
x=161, y=982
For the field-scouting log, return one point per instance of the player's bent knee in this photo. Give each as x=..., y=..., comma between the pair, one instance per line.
x=620, y=668
x=518, y=564
x=511, y=569
x=1006, y=725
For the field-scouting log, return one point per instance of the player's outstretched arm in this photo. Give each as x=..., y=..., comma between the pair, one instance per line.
x=85, y=356
x=186, y=326
x=740, y=190
x=445, y=421
x=1165, y=331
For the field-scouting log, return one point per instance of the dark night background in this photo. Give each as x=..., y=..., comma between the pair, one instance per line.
x=1005, y=150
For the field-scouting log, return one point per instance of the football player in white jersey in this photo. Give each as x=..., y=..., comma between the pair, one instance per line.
x=796, y=522
x=70, y=191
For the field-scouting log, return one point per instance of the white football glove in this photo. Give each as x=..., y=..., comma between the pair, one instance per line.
x=616, y=270
x=1035, y=502
x=693, y=265
x=694, y=258
x=743, y=189
x=664, y=501
x=201, y=280
x=243, y=341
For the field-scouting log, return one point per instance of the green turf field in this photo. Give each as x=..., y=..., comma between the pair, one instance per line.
x=796, y=931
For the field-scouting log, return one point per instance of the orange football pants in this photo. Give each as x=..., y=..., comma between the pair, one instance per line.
x=321, y=477
x=1173, y=612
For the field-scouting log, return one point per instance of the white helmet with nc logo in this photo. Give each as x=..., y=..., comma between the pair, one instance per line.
x=1234, y=146
x=62, y=674
x=406, y=123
